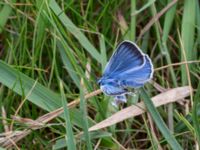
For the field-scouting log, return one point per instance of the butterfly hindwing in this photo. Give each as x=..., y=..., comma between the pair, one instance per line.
x=112, y=90
x=137, y=78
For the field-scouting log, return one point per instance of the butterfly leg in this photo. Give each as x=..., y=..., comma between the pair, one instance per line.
x=119, y=99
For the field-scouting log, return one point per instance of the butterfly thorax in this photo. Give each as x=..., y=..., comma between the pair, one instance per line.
x=108, y=81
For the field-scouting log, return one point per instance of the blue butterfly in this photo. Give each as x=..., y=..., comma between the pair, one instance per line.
x=128, y=67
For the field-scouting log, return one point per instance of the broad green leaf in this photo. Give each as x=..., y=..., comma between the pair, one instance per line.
x=22, y=85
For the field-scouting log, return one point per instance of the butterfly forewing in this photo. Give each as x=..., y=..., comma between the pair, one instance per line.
x=127, y=56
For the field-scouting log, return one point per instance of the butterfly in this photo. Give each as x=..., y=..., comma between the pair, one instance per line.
x=127, y=68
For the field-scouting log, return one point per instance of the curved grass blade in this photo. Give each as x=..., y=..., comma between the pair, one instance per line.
x=67, y=63
x=149, y=3
x=74, y=30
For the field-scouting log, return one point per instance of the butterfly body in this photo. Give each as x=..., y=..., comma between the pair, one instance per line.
x=128, y=67
x=111, y=86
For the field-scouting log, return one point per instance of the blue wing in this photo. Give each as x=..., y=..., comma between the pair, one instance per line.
x=127, y=56
x=137, y=78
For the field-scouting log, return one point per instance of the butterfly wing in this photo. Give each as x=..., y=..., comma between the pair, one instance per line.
x=137, y=78
x=127, y=56
x=128, y=67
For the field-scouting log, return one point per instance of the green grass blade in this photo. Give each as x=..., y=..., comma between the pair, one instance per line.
x=169, y=18
x=22, y=84
x=83, y=110
x=68, y=126
x=149, y=3
x=159, y=121
x=74, y=30
x=162, y=44
x=4, y=14
x=186, y=121
x=133, y=21
x=67, y=63
x=195, y=115
x=68, y=59
x=187, y=35
x=197, y=26
x=181, y=125
x=103, y=52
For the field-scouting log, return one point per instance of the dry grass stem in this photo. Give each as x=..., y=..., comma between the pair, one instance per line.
x=169, y=96
x=155, y=18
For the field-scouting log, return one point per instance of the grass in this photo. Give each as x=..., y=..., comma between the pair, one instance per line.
x=53, y=52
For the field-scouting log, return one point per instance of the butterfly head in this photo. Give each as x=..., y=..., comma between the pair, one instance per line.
x=102, y=81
